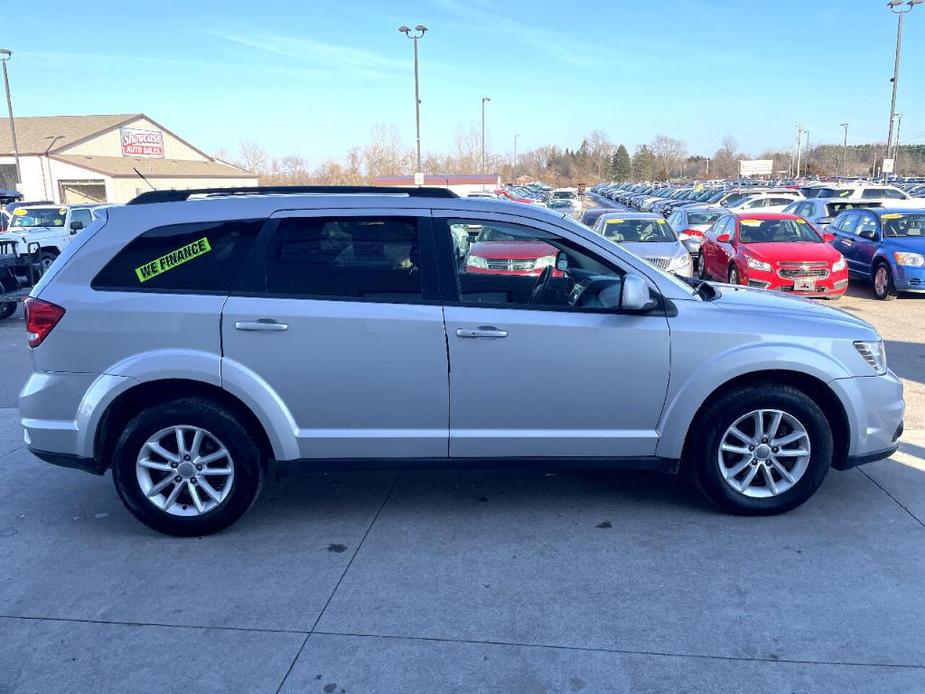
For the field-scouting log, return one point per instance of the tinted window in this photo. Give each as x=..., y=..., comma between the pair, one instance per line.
x=346, y=258
x=82, y=216
x=198, y=257
x=848, y=223
x=500, y=264
x=700, y=218
x=866, y=223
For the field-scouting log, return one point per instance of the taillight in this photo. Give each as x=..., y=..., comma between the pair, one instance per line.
x=690, y=233
x=41, y=318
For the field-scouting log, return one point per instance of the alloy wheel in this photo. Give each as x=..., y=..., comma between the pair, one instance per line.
x=881, y=281
x=185, y=471
x=764, y=453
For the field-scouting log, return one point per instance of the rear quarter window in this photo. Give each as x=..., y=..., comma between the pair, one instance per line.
x=200, y=257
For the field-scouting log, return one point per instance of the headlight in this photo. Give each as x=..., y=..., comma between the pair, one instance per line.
x=544, y=262
x=909, y=259
x=839, y=265
x=758, y=265
x=680, y=261
x=477, y=261
x=874, y=353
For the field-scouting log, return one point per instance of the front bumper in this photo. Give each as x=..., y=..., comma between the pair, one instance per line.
x=875, y=407
x=836, y=284
x=909, y=279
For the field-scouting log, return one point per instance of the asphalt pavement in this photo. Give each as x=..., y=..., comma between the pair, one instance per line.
x=471, y=581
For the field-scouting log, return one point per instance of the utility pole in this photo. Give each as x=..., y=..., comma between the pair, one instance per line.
x=800, y=132
x=514, y=167
x=420, y=30
x=844, y=159
x=5, y=55
x=899, y=120
x=484, y=100
x=894, y=6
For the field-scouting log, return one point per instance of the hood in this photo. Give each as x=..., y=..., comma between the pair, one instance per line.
x=511, y=250
x=910, y=244
x=753, y=302
x=790, y=252
x=661, y=249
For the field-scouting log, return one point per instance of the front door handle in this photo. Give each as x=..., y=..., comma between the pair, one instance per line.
x=488, y=331
x=267, y=325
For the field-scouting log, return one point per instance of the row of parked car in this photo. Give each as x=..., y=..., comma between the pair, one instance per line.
x=806, y=241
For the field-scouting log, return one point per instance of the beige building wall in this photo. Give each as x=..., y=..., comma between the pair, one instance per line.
x=110, y=144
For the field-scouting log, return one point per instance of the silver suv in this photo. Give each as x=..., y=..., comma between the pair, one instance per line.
x=186, y=344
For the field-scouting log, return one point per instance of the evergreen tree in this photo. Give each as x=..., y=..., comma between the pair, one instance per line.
x=621, y=167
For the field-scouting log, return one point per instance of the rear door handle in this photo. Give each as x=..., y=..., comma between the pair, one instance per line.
x=482, y=331
x=267, y=325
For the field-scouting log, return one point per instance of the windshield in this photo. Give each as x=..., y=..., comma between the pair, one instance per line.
x=776, y=231
x=563, y=195
x=695, y=218
x=903, y=225
x=38, y=217
x=638, y=231
x=735, y=199
x=836, y=193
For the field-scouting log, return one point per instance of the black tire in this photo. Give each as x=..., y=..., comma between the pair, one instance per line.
x=703, y=449
x=47, y=258
x=888, y=291
x=7, y=309
x=701, y=268
x=208, y=415
x=733, y=277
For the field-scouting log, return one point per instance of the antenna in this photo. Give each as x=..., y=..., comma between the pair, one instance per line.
x=141, y=176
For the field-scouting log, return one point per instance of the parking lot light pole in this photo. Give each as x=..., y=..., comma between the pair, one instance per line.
x=899, y=120
x=5, y=54
x=419, y=32
x=896, y=7
x=844, y=158
x=514, y=167
x=485, y=100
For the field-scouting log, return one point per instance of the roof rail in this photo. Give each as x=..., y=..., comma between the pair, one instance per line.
x=153, y=196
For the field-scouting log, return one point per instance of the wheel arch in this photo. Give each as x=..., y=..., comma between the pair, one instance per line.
x=815, y=388
x=130, y=402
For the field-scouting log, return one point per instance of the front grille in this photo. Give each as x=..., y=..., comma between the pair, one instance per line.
x=803, y=273
x=660, y=263
x=511, y=265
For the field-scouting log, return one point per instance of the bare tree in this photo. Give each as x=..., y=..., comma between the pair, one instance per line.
x=253, y=157
x=669, y=154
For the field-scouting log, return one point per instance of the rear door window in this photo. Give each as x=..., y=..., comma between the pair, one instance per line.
x=358, y=258
x=200, y=257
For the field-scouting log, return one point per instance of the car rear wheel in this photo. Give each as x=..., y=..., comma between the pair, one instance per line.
x=47, y=258
x=7, y=309
x=761, y=450
x=701, y=268
x=884, y=289
x=186, y=467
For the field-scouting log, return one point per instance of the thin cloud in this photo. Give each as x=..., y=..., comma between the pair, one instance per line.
x=344, y=59
x=481, y=16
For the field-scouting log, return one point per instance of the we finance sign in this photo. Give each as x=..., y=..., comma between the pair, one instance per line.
x=142, y=143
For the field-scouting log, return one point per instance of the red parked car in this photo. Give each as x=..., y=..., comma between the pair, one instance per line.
x=496, y=253
x=773, y=251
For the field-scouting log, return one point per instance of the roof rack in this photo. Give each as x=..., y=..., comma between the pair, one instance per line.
x=153, y=196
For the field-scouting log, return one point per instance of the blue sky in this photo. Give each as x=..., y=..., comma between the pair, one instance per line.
x=313, y=77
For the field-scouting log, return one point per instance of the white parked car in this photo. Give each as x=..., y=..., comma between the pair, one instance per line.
x=766, y=202
x=51, y=226
x=887, y=196
x=567, y=194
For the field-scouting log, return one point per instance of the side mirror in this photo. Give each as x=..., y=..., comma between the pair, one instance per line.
x=561, y=262
x=635, y=295
x=76, y=226
x=723, y=238
x=828, y=237
x=868, y=234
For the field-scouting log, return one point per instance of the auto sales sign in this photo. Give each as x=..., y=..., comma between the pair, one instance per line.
x=142, y=143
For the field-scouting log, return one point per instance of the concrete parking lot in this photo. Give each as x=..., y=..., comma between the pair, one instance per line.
x=471, y=580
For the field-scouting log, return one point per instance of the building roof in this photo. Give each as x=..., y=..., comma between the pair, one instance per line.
x=40, y=134
x=439, y=180
x=154, y=168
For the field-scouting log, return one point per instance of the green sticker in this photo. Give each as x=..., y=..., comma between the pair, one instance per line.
x=173, y=259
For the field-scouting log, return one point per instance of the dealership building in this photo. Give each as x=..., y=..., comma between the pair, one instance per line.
x=108, y=158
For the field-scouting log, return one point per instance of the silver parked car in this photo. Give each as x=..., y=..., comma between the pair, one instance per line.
x=187, y=344
x=691, y=223
x=649, y=236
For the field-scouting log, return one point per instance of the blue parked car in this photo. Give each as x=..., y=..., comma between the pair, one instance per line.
x=885, y=246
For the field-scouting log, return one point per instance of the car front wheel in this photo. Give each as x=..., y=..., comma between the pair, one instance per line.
x=883, y=283
x=762, y=450
x=733, y=275
x=186, y=467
